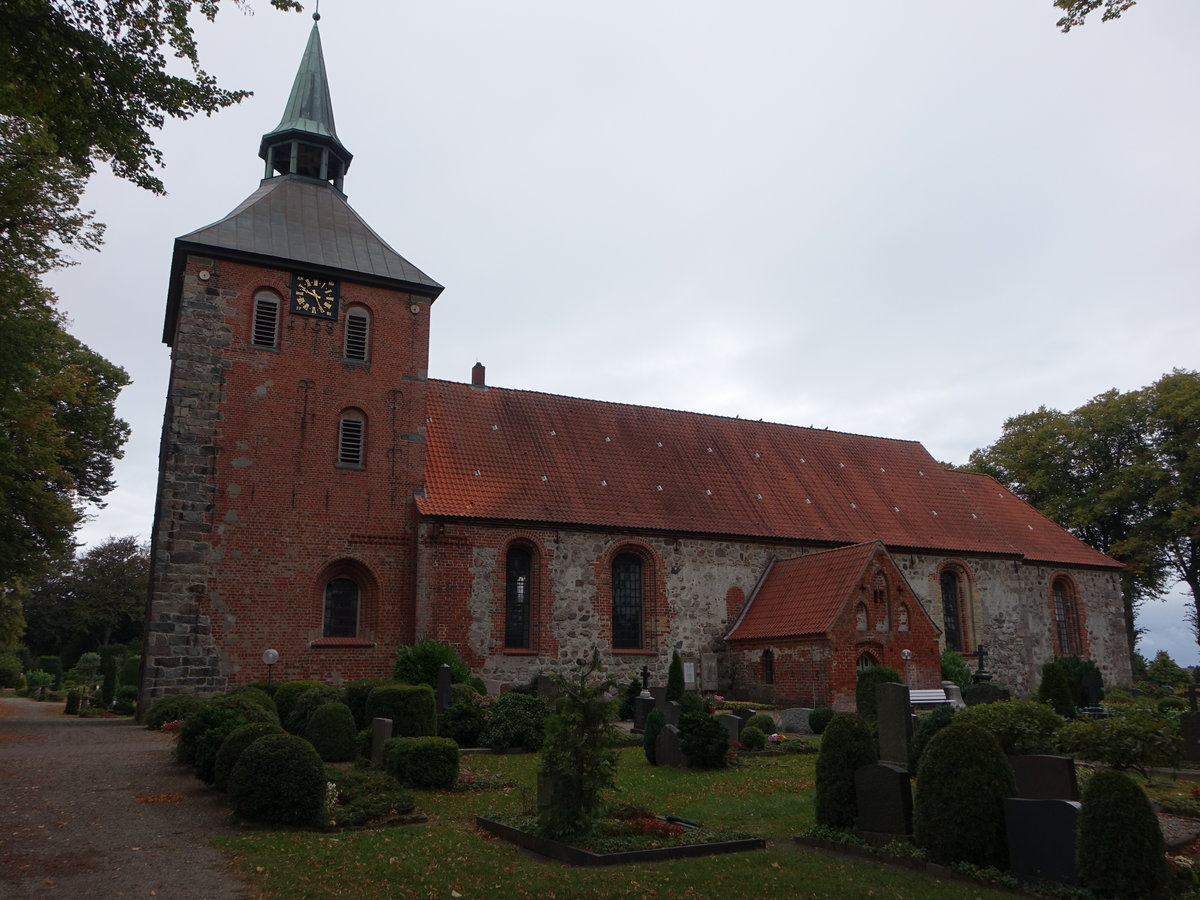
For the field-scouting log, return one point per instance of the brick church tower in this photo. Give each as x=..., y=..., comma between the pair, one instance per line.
x=293, y=440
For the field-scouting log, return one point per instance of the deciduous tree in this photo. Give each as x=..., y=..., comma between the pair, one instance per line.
x=1075, y=12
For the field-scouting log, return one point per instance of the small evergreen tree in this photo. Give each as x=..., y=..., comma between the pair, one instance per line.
x=864, y=692
x=675, y=678
x=703, y=740
x=419, y=663
x=1162, y=671
x=1121, y=850
x=955, y=669
x=1055, y=691
x=846, y=745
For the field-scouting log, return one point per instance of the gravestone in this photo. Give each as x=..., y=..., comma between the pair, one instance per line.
x=1042, y=777
x=1041, y=839
x=884, y=797
x=709, y=680
x=667, y=748
x=659, y=693
x=443, y=687
x=381, y=731
x=744, y=714
x=795, y=720
x=954, y=695
x=673, y=711
x=641, y=709
x=894, y=716
x=1189, y=726
x=733, y=727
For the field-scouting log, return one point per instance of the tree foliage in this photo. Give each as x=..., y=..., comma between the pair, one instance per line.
x=1122, y=473
x=1075, y=12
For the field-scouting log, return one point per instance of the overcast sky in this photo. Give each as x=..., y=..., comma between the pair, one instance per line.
x=902, y=219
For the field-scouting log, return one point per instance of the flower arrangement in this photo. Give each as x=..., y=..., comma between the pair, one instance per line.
x=775, y=738
x=172, y=726
x=653, y=827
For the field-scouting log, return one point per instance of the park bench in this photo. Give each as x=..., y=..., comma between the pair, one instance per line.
x=928, y=697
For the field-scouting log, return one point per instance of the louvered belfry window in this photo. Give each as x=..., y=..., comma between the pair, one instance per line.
x=351, y=438
x=627, y=602
x=266, y=320
x=358, y=328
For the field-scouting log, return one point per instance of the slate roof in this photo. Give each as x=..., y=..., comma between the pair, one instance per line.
x=804, y=595
x=522, y=456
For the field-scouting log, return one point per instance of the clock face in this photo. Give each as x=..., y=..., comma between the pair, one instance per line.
x=314, y=297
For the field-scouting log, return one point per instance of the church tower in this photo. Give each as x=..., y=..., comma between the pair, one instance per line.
x=293, y=440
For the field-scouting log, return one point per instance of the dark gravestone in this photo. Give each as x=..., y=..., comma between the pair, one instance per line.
x=642, y=706
x=884, y=796
x=1040, y=777
x=1041, y=839
x=743, y=714
x=381, y=731
x=795, y=720
x=667, y=748
x=733, y=727
x=659, y=693
x=673, y=711
x=894, y=716
x=443, y=687
x=1189, y=726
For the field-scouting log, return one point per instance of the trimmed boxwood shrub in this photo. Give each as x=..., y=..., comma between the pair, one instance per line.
x=761, y=721
x=864, y=691
x=463, y=723
x=280, y=780
x=985, y=692
x=287, y=694
x=411, y=707
x=205, y=730
x=675, y=684
x=429, y=763
x=1121, y=850
x=255, y=695
x=847, y=745
x=307, y=703
x=419, y=663
x=233, y=745
x=1135, y=741
x=515, y=720
x=927, y=726
x=954, y=668
x=629, y=693
x=130, y=666
x=172, y=709
x=1021, y=726
x=249, y=706
x=753, y=738
x=958, y=809
x=74, y=697
x=819, y=718
x=356, y=698
x=703, y=740
x=656, y=720
x=52, y=665
x=1055, y=691
x=267, y=687
x=331, y=731
x=126, y=700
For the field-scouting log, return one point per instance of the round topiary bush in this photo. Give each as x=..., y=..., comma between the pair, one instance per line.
x=927, y=726
x=255, y=695
x=656, y=720
x=1021, y=726
x=307, y=703
x=463, y=723
x=753, y=738
x=1121, y=850
x=958, y=809
x=280, y=780
x=1055, y=690
x=847, y=745
x=249, y=705
x=411, y=707
x=819, y=718
x=426, y=763
x=287, y=694
x=420, y=662
x=864, y=691
x=703, y=740
x=515, y=720
x=331, y=731
x=984, y=692
x=233, y=745
x=205, y=730
x=356, y=698
x=172, y=709
x=761, y=721
x=74, y=698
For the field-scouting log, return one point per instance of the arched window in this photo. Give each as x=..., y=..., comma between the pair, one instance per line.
x=627, y=602
x=358, y=332
x=768, y=667
x=352, y=435
x=341, y=608
x=1066, y=619
x=865, y=661
x=265, y=332
x=518, y=597
x=952, y=608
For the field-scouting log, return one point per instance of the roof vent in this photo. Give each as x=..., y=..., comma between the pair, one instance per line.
x=477, y=373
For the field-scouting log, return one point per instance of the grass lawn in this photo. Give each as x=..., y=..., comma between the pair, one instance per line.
x=449, y=857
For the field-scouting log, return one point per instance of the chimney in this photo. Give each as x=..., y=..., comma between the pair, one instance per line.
x=477, y=371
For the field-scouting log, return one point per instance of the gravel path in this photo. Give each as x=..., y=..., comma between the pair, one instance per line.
x=97, y=808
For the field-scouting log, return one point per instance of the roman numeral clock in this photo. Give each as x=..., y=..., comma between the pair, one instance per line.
x=312, y=296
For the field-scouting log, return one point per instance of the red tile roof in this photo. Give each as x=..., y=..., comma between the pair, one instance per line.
x=523, y=456
x=804, y=595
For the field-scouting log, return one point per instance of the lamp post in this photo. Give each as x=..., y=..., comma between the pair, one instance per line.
x=906, y=655
x=270, y=657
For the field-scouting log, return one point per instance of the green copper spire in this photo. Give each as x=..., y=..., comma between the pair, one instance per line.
x=305, y=141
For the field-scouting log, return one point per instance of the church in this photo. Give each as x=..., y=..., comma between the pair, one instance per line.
x=320, y=496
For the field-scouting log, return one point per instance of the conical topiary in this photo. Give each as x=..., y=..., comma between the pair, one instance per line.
x=1121, y=850
x=846, y=745
x=675, y=678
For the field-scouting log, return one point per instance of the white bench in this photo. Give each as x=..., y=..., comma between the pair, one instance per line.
x=929, y=697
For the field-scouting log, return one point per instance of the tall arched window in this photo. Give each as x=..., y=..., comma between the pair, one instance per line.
x=341, y=608
x=768, y=666
x=1066, y=620
x=352, y=435
x=358, y=332
x=952, y=608
x=518, y=597
x=627, y=602
x=265, y=331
